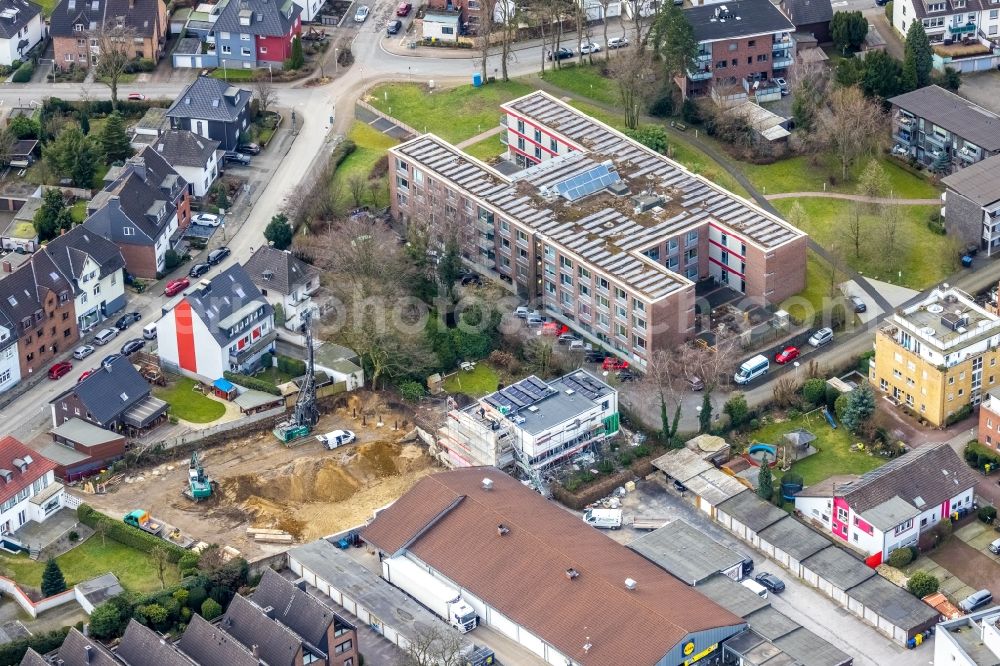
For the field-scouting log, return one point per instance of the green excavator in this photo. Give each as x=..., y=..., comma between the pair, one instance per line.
x=199, y=485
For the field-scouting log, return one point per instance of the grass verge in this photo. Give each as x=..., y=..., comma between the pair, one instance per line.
x=477, y=383
x=487, y=149
x=807, y=174
x=816, y=291
x=188, y=404
x=235, y=74
x=371, y=146
x=585, y=80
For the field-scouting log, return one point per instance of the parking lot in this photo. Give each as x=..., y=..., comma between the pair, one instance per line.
x=983, y=89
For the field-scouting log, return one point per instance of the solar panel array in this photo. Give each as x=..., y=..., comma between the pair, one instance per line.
x=588, y=182
x=585, y=385
x=518, y=396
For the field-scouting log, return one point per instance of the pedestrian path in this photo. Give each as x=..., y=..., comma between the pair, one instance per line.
x=480, y=137
x=853, y=197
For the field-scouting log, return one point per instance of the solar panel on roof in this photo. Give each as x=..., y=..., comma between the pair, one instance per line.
x=588, y=182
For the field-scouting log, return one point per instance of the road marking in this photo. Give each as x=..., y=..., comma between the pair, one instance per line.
x=842, y=3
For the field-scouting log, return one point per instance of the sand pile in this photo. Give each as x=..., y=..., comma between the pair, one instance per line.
x=317, y=496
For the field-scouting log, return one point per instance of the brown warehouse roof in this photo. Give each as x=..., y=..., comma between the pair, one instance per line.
x=450, y=522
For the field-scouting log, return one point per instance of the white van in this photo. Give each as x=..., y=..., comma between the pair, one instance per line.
x=752, y=369
x=149, y=331
x=755, y=587
x=609, y=519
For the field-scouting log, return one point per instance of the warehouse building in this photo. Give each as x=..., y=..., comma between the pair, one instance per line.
x=543, y=578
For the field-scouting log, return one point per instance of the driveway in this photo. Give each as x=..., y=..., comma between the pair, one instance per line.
x=982, y=88
x=974, y=567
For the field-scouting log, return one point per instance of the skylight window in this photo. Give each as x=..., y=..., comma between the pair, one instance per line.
x=588, y=182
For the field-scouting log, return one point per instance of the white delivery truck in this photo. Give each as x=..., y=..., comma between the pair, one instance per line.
x=609, y=519
x=435, y=594
x=752, y=369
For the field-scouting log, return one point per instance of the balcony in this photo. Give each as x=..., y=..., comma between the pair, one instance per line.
x=781, y=63
x=782, y=41
x=703, y=56
x=700, y=75
x=936, y=140
x=968, y=155
x=967, y=29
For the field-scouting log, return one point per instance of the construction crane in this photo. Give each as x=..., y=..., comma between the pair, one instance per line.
x=199, y=485
x=305, y=415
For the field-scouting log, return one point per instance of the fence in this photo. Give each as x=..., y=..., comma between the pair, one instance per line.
x=71, y=501
x=33, y=608
x=248, y=423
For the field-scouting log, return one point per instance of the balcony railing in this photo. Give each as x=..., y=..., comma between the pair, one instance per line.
x=781, y=63
x=936, y=140
x=700, y=75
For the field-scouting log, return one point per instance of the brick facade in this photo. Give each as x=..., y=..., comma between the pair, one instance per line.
x=140, y=259
x=48, y=336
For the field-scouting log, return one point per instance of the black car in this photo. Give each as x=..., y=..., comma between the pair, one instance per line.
x=471, y=279
x=394, y=27
x=109, y=359
x=233, y=156
x=561, y=54
x=132, y=346
x=218, y=254
x=858, y=304
x=625, y=376
x=771, y=582
x=198, y=270
x=595, y=356
x=127, y=320
x=679, y=487
x=248, y=149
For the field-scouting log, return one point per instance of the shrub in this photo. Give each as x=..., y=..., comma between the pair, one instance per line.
x=737, y=409
x=814, y=391
x=196, y=597
x=641, y=451
x=128, y=535
x=987, y=514
x=605, y=466
x=900, y=557
x=921, y=584
x=961, y=413
x=412, y=391
x=13, y=652
x=831, y=396
x=155, y=614
x=690, y=112
x=24, y=73
x=840, y=405
x=291, y=366
x=171, y=259
x=211, y=609
x=74, y=536
x=251, y=382
x=188, y=561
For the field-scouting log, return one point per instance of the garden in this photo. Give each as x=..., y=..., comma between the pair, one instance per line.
x=188, y=401
x=478, y=382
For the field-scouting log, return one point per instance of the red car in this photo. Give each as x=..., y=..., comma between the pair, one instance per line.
x=404, y=9
x=554, y=328
x=787, y=354
x=84, y=375
x=136, y=97
x=175, y=287
x=612, y=363
x=60, y=369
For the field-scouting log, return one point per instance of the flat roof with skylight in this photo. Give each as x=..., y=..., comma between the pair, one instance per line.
x=946, y=319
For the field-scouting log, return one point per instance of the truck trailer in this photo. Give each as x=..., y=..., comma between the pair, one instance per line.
x=433, y=593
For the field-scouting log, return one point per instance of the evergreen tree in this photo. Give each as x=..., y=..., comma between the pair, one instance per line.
x=52, y=579
x=279, y=232
x=881, y=76
x=114, y=140
x=860, y=407
x=84, y=120
x=450, y=265
x=52, y=216
x=918, y=51
x=705, y=415
x=297, y=59
x=765, y=482
x=221, y=196
x=73, y=155
x=673, y=40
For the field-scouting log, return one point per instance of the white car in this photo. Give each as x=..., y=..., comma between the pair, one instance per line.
x=335, y=438
x=206, y=220
x=361, y=14
x=821, y=337
x=617, y=42
x=589, y=47
x=83, y=351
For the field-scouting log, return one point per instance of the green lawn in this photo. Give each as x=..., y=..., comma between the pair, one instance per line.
x=47, y=6
x=584, y=80
x=925, y=257
x=834, y=455
x=454, y=114
x=802, y=174
x=371, y=145
x=235, y=74
x=488, y=148
x=188, y=404
x=136, y=570
x=481, y=381
x=78, y=211
x=816, y=292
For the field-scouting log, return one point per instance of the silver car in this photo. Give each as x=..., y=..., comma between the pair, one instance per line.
x=821, y=337
x=83, y=351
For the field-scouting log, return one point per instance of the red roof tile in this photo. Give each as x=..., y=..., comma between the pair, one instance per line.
x=10, y=449
x=523, y=572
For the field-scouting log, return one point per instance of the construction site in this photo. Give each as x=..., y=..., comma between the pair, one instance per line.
x=298, y=492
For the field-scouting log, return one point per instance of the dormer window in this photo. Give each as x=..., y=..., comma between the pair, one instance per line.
x=78, y=27
x=958, y=4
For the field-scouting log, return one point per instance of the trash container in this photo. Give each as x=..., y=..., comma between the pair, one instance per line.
x=477, y=79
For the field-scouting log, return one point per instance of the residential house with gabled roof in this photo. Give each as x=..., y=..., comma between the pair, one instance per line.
x=212, y=108
x=286, y=281
x=28, y=489
x=114, y=397
x=96, y=269
x=265, y=637
x=972, y=204
x=194, y=157
x=142, y=210
x=76, y=650
x=74, y=25
x=256, y=33
x=206, y=643
x=141, y=645
x=313, y=621
x=10, y=364
x=222, y=324
x=811, y=17
x=22, y=26
x=37, y=299
x=889, y=507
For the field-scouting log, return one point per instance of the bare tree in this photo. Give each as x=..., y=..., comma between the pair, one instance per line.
x=265, y=92
x=604, y=4
x=891, y=241
x=357, y=184
x=873, y=183
x=852, y=126
x=507, y=17
x=855, y=228
x=114, y=41
x=101, y=528
x=636, y=75
x=161, y=559
x=431, y=647
x=666, y=378
x=484, y=36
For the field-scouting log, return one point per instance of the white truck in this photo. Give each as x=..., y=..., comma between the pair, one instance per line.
x=609, y=519
x=435, y=594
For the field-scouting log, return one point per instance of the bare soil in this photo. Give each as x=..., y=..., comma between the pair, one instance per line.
x=306, y=490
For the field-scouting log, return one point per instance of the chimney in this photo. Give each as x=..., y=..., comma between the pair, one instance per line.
x=630, y=584
x=587, y=646
x=204, y=287
x=88, y=651
x=269, y=611
x=256, y=652
x=487, y=484
x=131, y=4
x=138, y=165
x=7, y=268
x=502, y=529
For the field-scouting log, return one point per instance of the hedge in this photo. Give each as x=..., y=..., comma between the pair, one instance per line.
x=978, y=456
x=12, y=653
x=252, y=383
x=291, y=366
x=127, y=535
x=23, y=73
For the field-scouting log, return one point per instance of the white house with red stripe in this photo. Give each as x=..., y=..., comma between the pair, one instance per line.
x=215, y=326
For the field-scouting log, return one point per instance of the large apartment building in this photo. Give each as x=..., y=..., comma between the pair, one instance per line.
x=739, y=45
x=938, y=355
x=605, y=234
x=954, y=26
x=972, y=204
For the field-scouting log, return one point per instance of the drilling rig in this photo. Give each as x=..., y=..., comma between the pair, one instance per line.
x=305, y=415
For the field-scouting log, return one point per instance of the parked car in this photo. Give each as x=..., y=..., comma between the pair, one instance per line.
x=470, y=279
x=105, y=335
x=404, y=9
x=127, y=320
x=233, y=156
x=109, y=359
x=589, y=47
x=881, y=3
x=617, y=42
x=821, y=337
x=858, y=304
x=218, y=254
x=206, y=220
x=361, y=14
x=789, y=353
x=553, y=328
x=771, y=582
x=136, y=97
x=132, y=346
x=995, y=547
x=561, y=54
x=393, y=27
x=625, y=376
x=595, y=356
x=523, y=311
x=614, y=363
x=332, y=440
x=175, y=287
x=83, y=351
x=580, y=345
x=783, y=84
x=248, y=148
x=534, y=321
x=567, y=338
x=695, y=384
x=198, y=270
x=84, y=375
x=60, y=369
x=976, y=600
